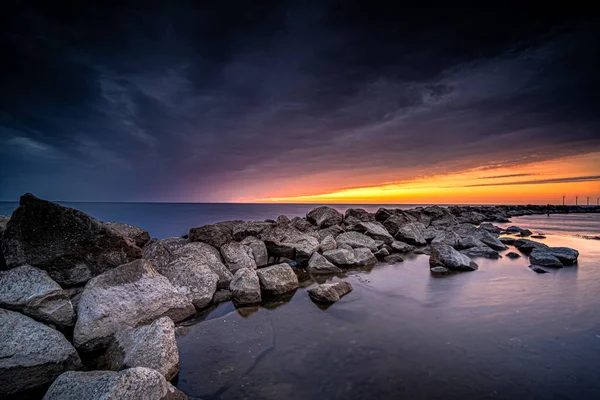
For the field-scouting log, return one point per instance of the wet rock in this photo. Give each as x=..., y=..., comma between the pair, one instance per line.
x=544, y=259
x=538, y=270
x=31, y=353
x=490, y=240
x=513, y=229
x=130, y=295
x=328, y=243
x=381, y=253
x=448, y=237
x=507, y=240
x=237, y=256
x=411, y=233
x=341, y=257
x=192, y=279
x=393, y=259
x=245, y=287
x=32, y=292
x=566, y=255
x=324, y=216
x=527, y=246
x=525, y=232
x=513, y=255
x=364, y=257
x=151, y=346
x=401, y=247
x=480, y=251
x=538, y=237
x=320, y=266
x=439, y=270
x=206, y=254
x=356, y=240
x=278, y=279
x=69, y=244
x=468, y=242
x=222, y=296
x=215, y=235
x=137, y=235
x=329, y=292
x=376, y=231
x=130, y=384
x=443, y=255
x=490, y=228
x=259, y=250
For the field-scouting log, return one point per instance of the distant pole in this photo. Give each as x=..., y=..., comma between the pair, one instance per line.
x=563, y=200
x=576, y=200
x=598, y=201
x=588, y=200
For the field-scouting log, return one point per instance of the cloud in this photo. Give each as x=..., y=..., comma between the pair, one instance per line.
x=590, y=178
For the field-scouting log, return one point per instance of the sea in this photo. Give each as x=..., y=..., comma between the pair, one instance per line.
x=501, y=332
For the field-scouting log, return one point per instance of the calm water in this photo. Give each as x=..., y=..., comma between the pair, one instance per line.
x=502, y=332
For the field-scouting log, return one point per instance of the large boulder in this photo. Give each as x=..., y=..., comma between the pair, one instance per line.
x=277, y=279
x=544, y=259
x=401, y=247
x=341, y=257
x=130, y=384
x=359, y=214
x=252, y=228
x=469, y=241
x=364, y=257
x=151, y=346
x=490, y=240
x=329, y=292
x=481, y=251
x=259, y=250
x=191, y=278
x=32, y=292
x=136, y=234
x=128, y=296
x=289, y=242
x=31, y=354
x=245, y=287
x=356, y=240
x=566, y=255
x=376, y=231
x=237, y=256
x=447, y=237
x=411, y=233
x=69, y=244
x=527, y=246
x=206, y=254
x=157, y=253
x=328, y=243
x=215, y=235
x=324, y=216
x=490, y=228
x=443, y=255
x=319, y=265
x=3, y=222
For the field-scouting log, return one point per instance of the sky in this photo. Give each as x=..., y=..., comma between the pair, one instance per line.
x=298, y=101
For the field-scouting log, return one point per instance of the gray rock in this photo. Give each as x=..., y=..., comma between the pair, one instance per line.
x=507, y=240
x=277, y=279
x=254, y=228
x=513, y=229
x=376, y=231
x=206, y=254
x=345, y=246
x=259, y=250
x=359, y=214
x=157, y=253
x=527, y=246
x=283, y=220
x=393, y=259
x=401, y=247
x=364, y=257
x=443, y=255
x=130, y=384
x=439, y=270
x=566, y=255
x=394, y=222
x=489, y=240
x=3, y=222
x=341, y=257
x=302, y=225
x=222, y=296
x=448, y=237
x=130, y=295
x=333, y=230
x=192, y=279
x=473, y=217
x=480, y=251
x=538, y=270
x=382, y=253
x=490, y=228
x=329, y=292
x=525, y=232
x=324, y=216
x=411, y=233
x=543, y=259
x=237, y=256
x=356, y=240
x=151, y=346
x=70, y=245
x=174, y=243
x=328, y=243
x=245, y=287
x=468, y=242
x=287, y=241
x=215, y=235
x=31, y=353
x=32, y=292
x=136, y=234
x=512, y=254
x=319, y=265
x=538, y=237
x=430, y=233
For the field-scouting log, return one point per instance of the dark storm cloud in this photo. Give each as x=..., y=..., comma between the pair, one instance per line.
x=179, y=102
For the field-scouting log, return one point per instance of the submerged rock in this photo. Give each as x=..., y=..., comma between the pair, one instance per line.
x=443, y=255
x=512, y=254
x=245, y=287
x=136, y=234
x=31, y=354
x=151, y=346
x=69, y=244
x=237, y=256
x=356, y=240
x=324, y=216
x=538, y=270
x=319, y=265
x=278, y=279
x=393, y=259
x=32, y=292
x=130, y=384
x=329, y=292
x=544, y=259
x=439, y=270
x=142, y=295
x=525, y=232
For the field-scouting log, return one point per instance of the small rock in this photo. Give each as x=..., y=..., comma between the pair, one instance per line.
x=222, y=296
x=439, y=270
x=525, y=232
x=513, y=229
x=401, y=247
x=245, y=287
x=381, y=253
x=544, y=259
x=537, y=269
x=538, y=237
x=512, y=254
x=328, y=243
x=278, y=279
x=393, y=259
x=329, y=292
x=319, y=265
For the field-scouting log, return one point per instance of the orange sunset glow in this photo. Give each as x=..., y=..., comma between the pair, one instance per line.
x=539, y=182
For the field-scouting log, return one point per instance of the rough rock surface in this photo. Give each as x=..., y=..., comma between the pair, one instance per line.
x=319, y=265
x=527, y=246
x=237, y=256
x=31, y=353
x=277, y=279
x=324, y=216
x=481, y=251
x=490, y=228
x=411, y=233
x=328, y=243
x=439, y=270
x=450, y=238
x=401, y=247
x=259, y=250
x=69, y=244
x=206, y=254
x=566, y=255
x=364, y=257
x=136, y=234
x=130, y=295
x=32, y=292
x=468, y=242
x=356, y=240
x=151, y=346
x=544, y=259
x=341, y=257
x=359, y=214
x=254, y=228
x=157, y=253
x=443, y=255
x=192, y=279
x=376, y=231
x=538, y=269
x=512, y=254
x=393, y=259
x=382, y=253
x=329, y=292
x=222, y=295
x=130, y=384
x=289, y=242
x=245, y=287
x=215, y=235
